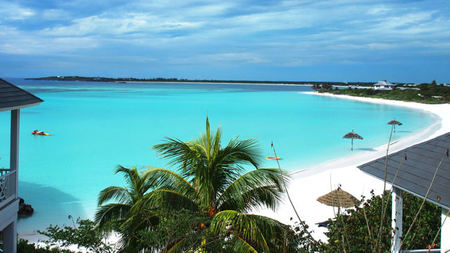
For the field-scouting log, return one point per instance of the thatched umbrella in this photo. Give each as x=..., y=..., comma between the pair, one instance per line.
x=393, y=123
x=338, y=198
x=352, y=135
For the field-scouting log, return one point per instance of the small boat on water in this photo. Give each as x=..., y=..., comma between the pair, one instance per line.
x=273, y=158
x=36, y=132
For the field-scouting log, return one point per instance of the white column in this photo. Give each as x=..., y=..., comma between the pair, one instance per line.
x=397, y=216
x=14, y=153
x=10, y=238
x=10, y=233
x=445, y=231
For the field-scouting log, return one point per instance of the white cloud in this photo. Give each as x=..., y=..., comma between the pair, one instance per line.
x=55, y=14
x=220, y=58
x=378, y=10
x=11, y=12
x=119, y=25
x=288, y=32
x=16, y=42
x=236, y=57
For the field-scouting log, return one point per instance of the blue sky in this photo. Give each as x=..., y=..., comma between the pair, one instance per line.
x=335, y=40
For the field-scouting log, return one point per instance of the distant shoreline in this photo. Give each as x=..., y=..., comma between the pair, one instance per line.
x=176, y=80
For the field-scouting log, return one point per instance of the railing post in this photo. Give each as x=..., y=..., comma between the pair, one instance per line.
x=10, y=238
x=445, y=230
x=397, y=216
x=14, y=154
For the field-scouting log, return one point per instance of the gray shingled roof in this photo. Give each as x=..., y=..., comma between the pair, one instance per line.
x=13, y=97
x=416, y=172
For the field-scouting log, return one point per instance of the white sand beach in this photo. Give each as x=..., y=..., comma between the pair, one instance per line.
x=308, y=184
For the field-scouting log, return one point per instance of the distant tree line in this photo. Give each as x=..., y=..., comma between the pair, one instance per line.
x=162, y=79
x=430, y=93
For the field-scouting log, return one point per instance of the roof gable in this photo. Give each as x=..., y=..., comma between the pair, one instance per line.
x=13, y=97
x=415, y=167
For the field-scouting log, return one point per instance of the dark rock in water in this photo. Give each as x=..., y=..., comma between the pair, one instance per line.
x=25, y=210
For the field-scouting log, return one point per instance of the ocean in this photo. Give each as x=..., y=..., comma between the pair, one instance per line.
x=96, y=126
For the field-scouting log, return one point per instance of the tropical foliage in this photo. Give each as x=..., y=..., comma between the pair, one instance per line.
x=213, y=186
x=117, y=216
x=84, y=234
x=357, y=231
x=23, y=246
x=423, y=93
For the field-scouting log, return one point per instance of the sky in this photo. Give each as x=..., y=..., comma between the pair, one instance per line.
x=303, y=40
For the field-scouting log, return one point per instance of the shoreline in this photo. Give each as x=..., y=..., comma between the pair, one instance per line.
x=308, y=184
x=379, y=151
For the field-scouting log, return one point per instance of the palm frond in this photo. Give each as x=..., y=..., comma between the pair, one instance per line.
x=127, y=173
x=262, y=187
x=264, y=196
x=242, y=225
x=179, y=154
x=271, y=228
x=132, y=178
x=110, y=213
x=229, y=161
x=207, y=140
x=142, y=220
x=243, y=151
x=176, y=246
x=119, y=194
x=241, y=245
x=166, y=179
x=275, y=231
x=164, y=199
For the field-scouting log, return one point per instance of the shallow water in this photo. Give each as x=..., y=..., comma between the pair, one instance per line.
x=96, y=126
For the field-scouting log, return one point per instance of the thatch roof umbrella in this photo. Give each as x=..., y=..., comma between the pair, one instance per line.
x=338, y=198
x=352, y=135
x=393, y=123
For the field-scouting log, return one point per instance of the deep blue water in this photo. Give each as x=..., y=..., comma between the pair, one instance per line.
x=97, y=126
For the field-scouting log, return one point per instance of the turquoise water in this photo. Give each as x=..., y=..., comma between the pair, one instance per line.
x=96, y=126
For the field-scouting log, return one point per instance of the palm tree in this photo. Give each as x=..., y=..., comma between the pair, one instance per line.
x=115, y=203
x=212, y=182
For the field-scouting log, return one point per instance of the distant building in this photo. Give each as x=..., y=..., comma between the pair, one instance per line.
x=383, y=85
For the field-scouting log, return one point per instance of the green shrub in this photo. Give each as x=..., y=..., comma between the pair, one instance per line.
x=350, y=230
x=24, y=247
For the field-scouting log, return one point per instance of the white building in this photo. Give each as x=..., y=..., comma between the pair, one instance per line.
x=12, y=98
x=383, y=85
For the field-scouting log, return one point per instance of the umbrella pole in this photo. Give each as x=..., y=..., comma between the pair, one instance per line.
x=352, y=145
x=284, y=186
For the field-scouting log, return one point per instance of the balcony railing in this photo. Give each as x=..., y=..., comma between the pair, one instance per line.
x=7, y=186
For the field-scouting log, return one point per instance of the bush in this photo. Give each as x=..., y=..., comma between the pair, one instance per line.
x=24, y=247
x=84, y=234
x=350, y=231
